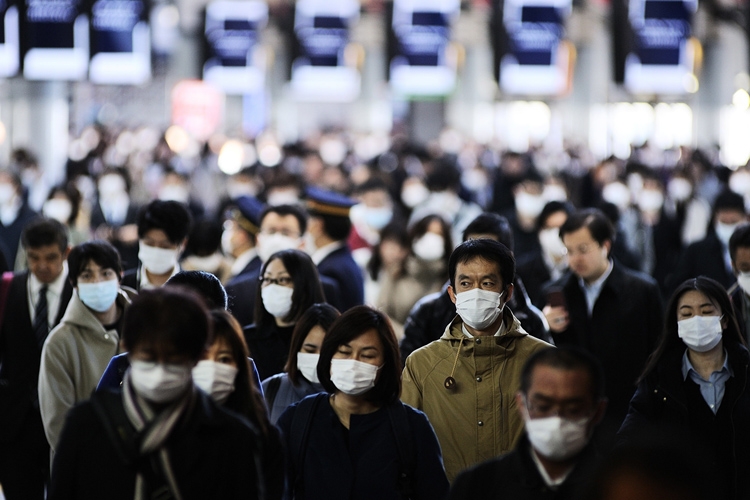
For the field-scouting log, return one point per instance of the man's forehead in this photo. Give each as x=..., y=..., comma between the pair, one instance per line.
x=45, y=250
x=478, y=265
x=272, y=219
x=560, y=383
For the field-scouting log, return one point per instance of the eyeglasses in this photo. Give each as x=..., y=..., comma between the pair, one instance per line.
x=282, y=232
x=548, y=408
x=282, y=281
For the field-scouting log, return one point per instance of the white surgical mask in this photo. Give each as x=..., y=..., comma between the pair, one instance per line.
x=617, y=194
x=209, y=263
x=414, y=194
x=429, y=247
x=58, y=209
x=226, y=242
x=307, y=364
x=650, y=200
x=700, y=333
x=174, y=193
x=479, y=308
x=554, y=192
x=377, y=218
x=159, y=382
x=353, y=377
x=679, y=189
x=529, y=205
x=215, y=379
x=277, y=300
x=739, y=182
x=743, y=279
x=557, y=438
x=269, y=244
x=7, y=192
x=724, y=231
x=551, y=243
x=157, y=260
x=99, y=296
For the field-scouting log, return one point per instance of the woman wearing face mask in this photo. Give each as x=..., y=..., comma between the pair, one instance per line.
x=423, y=272
x=289, y=284
x=357, y=439
x=300, y=377
x=695, y=387
x=64, y=205
x=158, y=436
x=225, y=374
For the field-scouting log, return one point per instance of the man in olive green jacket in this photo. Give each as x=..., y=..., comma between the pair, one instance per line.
x=466, y=381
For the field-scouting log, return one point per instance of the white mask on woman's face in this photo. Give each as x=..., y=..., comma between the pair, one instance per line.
x=277, y=300
x=307, y=364
x=215, y=379
x=58, y=209
x=429, y=247
x=353, y=377
x=700, y=333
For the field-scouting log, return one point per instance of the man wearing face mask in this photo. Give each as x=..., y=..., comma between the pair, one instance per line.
x=14, y=214
x=710, y=256
x=239, y=239
x=158, y=436
x=281, y=228
x=739, y=249
x=78, y=350
x=457, y=380
x=561, y=400
x=163, y=228
x=606, y=309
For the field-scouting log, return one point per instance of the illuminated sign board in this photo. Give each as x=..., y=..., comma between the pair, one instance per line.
x=235, y=62
x=9, y=40
x=424, y=64
x=662, y=59
x=538, y=62
x=322, y=71
x=120, y=42
x=56, y=40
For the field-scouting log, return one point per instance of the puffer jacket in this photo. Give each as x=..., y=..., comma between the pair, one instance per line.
x=476, y=419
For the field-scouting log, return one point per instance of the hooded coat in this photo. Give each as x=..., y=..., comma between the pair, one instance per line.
x=74, y=357
x=477, y=419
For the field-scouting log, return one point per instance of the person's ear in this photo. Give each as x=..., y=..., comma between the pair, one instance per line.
x=509, y=292
x=67, y=252
x=451, y=294
x=601, y=409
x=521, y=405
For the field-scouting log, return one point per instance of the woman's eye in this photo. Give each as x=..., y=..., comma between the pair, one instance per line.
x=225, y=359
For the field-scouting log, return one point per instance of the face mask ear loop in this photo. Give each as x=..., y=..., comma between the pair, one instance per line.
x=450, y=382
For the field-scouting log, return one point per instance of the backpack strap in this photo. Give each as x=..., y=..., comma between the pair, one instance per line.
x=299, y=434
x=406, y=452
x=272, y=389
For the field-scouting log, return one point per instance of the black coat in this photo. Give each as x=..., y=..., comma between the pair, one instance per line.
x=269, y=347
x=621, y=333
x=535, y=275
x=340, y=267
x=703, y=258
x=432, y=313
x=128, y=251
x=212, y=453
x=10, y=235
x=660, y=408
x=736, y=293
x=515, y=476
x=20, y=356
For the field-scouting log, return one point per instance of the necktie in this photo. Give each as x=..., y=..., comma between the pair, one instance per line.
x=41, y=323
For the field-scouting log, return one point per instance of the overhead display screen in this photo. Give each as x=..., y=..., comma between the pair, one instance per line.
x=424, y=63
x=120, y=42
x=537, y=61
x=662, y=57
x=55, y=41
x=322, y=69
x=9, y=40
x=235, y=61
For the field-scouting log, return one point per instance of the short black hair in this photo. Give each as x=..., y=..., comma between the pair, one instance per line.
x=550, y=208
x=350, y=325
x=100, y=251
x=204, y=238
x=565, y=358
x=173, y=316
x=594, y=220
x=740, y=238
x=43, y=231
x=322, y=315
x=491, y=223
x=489, y=250
x=306, y=283
x=207, y=285
x=444, y=176
x=729, y=200
x=284, y=210
x=335, y=227
x=172, y=217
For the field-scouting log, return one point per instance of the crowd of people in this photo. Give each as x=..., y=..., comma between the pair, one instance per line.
x=425, y=323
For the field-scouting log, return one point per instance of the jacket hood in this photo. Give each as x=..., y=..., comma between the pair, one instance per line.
x=513, y=327
x=80, y=315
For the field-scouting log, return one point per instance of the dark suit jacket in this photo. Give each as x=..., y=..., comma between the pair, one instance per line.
x=242, y=289
x=252, y=267
x=621, y=333
x=703, y=258
x=20, y=356
x=341, y=268
x=535, y=274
